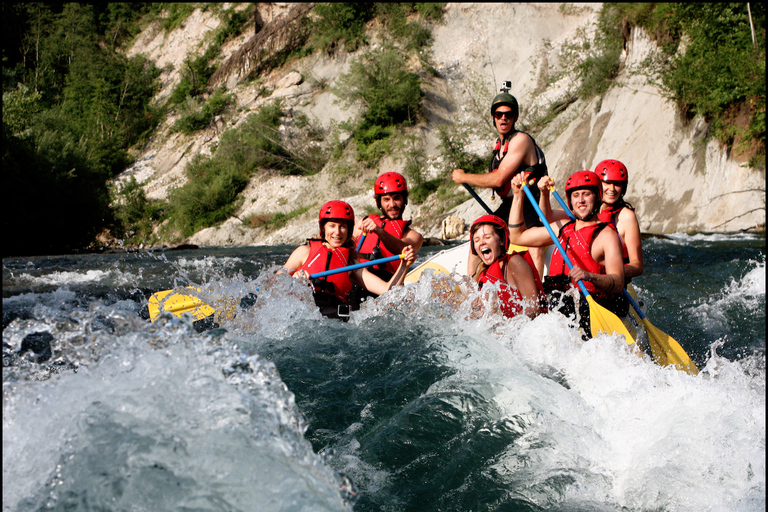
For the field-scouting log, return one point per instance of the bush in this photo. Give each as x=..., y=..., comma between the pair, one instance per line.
x=210, y=195
x=716, y=74
x=389, y=93
x=196, y=118
x=135, y=214
x=452, y=144
x=340, y=22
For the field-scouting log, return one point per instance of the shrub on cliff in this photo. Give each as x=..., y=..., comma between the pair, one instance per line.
x=388, y=93
x=214, y=183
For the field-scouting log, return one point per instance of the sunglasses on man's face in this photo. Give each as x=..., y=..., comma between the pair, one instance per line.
x=499, y=115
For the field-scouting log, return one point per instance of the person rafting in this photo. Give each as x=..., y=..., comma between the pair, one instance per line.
x=334, y=249
x=520, y=289
x=514, y=152
x=593, y=247
x=387, y=234
x=618, y=212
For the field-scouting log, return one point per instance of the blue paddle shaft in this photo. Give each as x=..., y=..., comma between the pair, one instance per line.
x=553, y=236
x=355, y=266
x=562, y=203
x=477, y=198
x=360, y=242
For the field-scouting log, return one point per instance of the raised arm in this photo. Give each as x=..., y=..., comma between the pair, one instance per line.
x=531, y=237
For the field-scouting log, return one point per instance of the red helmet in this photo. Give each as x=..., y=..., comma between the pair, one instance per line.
x=336, y=210
x=390, y=183
x=612, y=170
x=583, y=179
x=499, y=225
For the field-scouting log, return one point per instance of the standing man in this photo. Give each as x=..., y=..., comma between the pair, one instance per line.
x=387, y=234
x=514, y=153
x=592, y=246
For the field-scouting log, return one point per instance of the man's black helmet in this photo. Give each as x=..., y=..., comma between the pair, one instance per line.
x=505, y=99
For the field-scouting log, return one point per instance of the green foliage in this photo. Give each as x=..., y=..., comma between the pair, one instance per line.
x=56, y=200
x=344, y=23
x=209, y=196
x=340, y=22
x=720, y=72
x=280, y=219
x=412, y=34
x=389, y=93
x=88, y=104
x=601, y=67
x=19, y=108
x=233, y=22
x=177, y=13
x=198, y=69
x=134, y=213
x=432, y=11
x=194, y=77
x=710, y=66
x=452, y=144
x=211, y=193
x=194, y=117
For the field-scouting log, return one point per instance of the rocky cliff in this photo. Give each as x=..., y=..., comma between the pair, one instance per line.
x=680, y=179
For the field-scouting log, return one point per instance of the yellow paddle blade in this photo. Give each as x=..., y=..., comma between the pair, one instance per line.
x=602, y=320
x=666, y=350
x=178, y=304
x=516, y=248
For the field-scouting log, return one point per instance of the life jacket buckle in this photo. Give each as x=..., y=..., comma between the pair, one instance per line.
x=342, y=310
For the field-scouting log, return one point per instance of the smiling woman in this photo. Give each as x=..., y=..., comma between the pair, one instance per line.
x=338, y=293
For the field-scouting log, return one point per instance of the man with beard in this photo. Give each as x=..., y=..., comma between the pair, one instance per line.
x=387, y=234
x=592, y=246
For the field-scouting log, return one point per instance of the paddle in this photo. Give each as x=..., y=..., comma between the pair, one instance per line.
x=477, y=198
x=665, y=349
x=356, y=266
x=601, y=320
x=178, y=304
x=360, y=242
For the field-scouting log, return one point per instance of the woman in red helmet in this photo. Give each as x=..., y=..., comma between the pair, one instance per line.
x=591, y=245
x=332, y=250
x=616, y=211
x=387, y=234
x=520, y=289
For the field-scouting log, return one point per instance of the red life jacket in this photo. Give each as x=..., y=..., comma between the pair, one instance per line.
x=373, y=249
x=510, y=298
x=611, y=216
x=578, y=245
x=320, y=259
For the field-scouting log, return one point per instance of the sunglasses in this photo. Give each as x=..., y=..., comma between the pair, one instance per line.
x=499, y=115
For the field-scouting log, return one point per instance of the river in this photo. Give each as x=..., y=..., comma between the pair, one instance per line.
x=410, y=406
